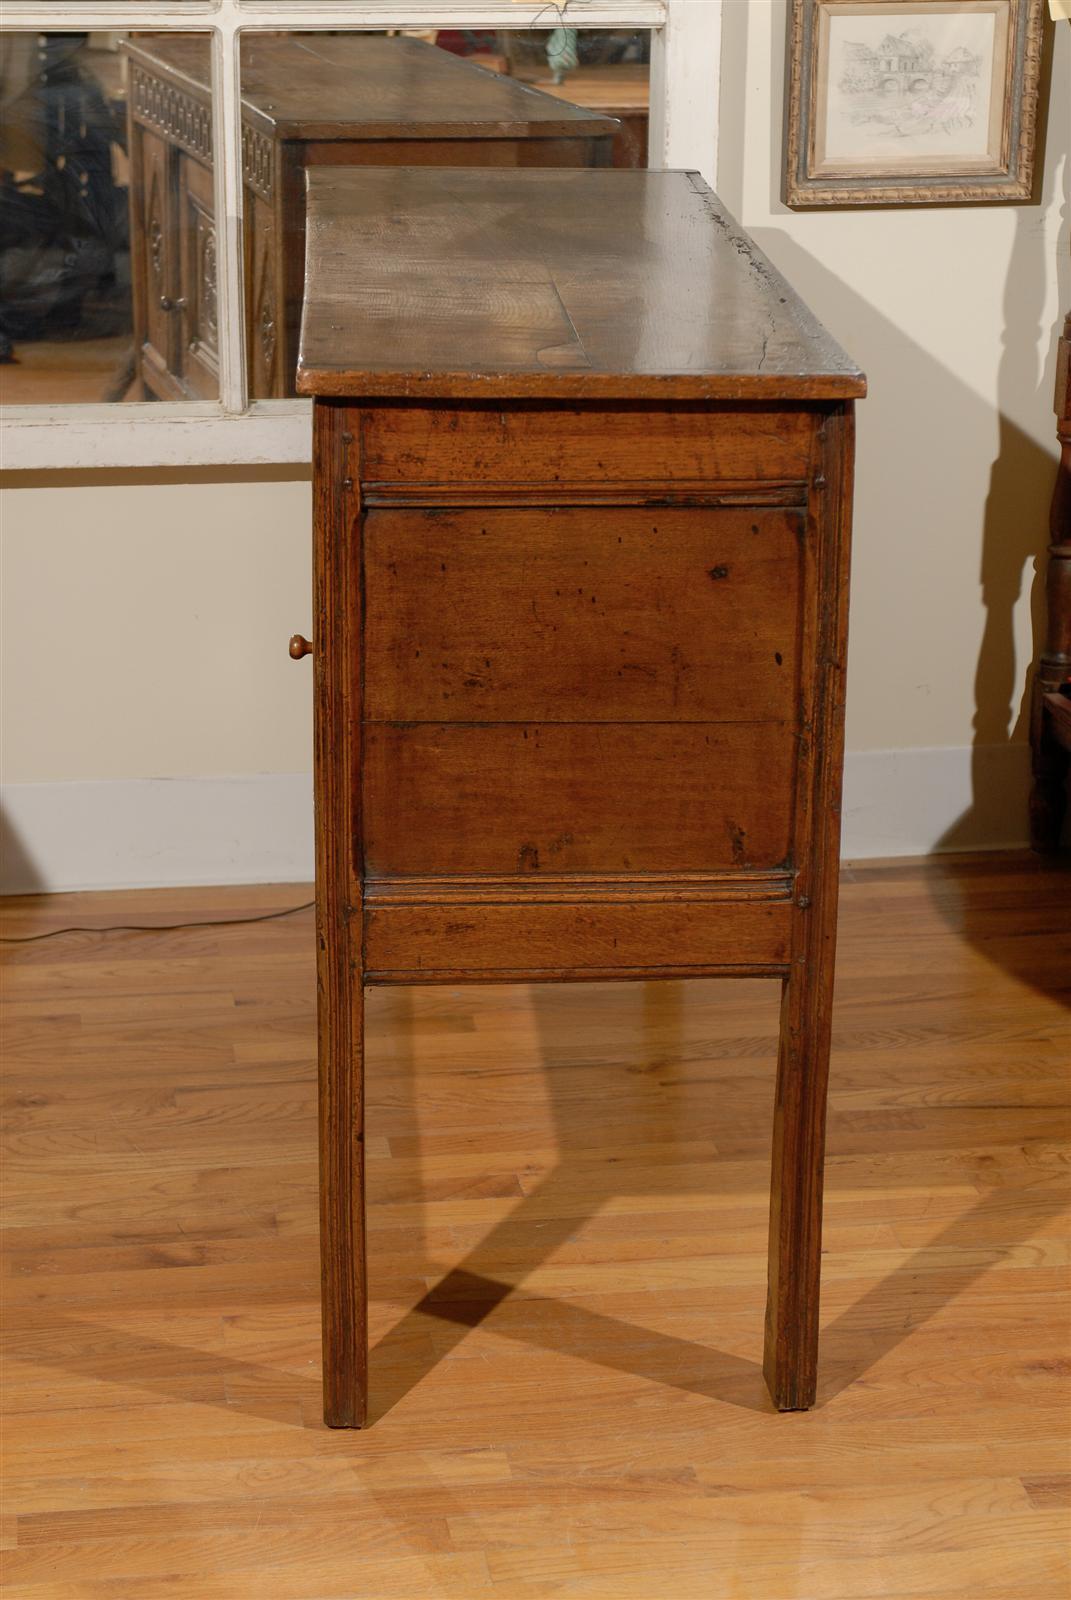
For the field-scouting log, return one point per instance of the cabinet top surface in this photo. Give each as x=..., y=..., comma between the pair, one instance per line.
x=592, y=283
x=317, y=86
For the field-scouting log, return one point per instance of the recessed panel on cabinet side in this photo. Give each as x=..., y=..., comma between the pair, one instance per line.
x=600, y=797
x=581, y=613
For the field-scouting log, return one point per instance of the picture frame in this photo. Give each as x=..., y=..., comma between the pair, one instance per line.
x=911, y=102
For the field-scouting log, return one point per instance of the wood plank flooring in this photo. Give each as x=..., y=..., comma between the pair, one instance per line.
x=568, y=1192
x=54, y=372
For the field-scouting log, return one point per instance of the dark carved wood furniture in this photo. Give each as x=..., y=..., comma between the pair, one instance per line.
x=1051, y=712
x=307, y=100
x=583, y=468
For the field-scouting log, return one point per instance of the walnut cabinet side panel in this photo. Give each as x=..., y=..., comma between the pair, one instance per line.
x=409, y=903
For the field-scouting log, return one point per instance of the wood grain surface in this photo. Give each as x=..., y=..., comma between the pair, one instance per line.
x=337, y=753
x=413, y=451
x=596, y=282
x=530, y=797
x=573, y=939
x=307, y=100
x=547, y=686
x=317, y=86
x=567, y=1195
x=582, y=614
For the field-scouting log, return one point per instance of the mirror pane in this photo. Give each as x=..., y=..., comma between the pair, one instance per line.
x=107, y=227
x=437, y=97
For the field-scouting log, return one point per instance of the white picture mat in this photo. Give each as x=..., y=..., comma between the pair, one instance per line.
x=910, y=88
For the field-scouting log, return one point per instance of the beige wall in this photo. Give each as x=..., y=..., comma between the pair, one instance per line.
x=145, y=621
x=952, y=312
x=145, y=626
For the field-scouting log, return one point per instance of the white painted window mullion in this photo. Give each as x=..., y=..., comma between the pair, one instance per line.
x=227, y=161
x=80, y=16
x=685, y=77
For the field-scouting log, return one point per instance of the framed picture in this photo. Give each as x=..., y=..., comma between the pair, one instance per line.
x=928, y=102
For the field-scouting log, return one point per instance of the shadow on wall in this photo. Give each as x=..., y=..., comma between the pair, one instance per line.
x=1013, y=536
x=1013, y=542
x=893, y=472
x=19, y=873
x=1016, y=522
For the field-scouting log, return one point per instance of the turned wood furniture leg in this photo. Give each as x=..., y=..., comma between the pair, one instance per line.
x=1051, y=761
x=1050, y=774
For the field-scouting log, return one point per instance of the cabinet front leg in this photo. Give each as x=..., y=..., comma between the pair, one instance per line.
x=339, y=903
x=342, y=1229
x=791, y=1355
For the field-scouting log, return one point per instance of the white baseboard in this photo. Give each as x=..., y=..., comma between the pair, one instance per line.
x=155, y=833
x=955, y=797
x=158, y=832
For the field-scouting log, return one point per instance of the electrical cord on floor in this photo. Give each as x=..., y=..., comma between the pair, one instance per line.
x=165, y=927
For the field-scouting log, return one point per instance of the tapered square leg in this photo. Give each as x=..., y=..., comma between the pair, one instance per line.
x=339, y=897
x=791, y=1355
x=342, y=1229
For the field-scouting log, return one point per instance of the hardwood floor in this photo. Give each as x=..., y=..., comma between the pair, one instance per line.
x=60, y=372
x=567, y=1193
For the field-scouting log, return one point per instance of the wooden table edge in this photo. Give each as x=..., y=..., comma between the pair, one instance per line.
x=346, y=384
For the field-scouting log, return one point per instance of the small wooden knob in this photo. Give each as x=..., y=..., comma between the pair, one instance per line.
x=300, y=647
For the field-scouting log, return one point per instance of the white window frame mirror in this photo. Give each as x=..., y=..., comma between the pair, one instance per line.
x=685, y=65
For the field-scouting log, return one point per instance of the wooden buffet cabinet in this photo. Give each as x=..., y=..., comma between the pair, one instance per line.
x=583, y=467
x=308, y=100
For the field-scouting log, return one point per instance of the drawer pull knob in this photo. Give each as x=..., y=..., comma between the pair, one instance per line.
x=167, y=304
x=299, y=647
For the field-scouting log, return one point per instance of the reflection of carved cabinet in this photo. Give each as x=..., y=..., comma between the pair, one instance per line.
x=198, y=356
x=263, y=276
x=619, y=91
x=154, y=283
x=308, y=100
x=174, y=239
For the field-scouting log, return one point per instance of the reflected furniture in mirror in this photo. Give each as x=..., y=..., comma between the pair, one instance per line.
x=612, y=75
x=582, y=485
x=308, y=100
x=64, y=245
x=621, y=92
